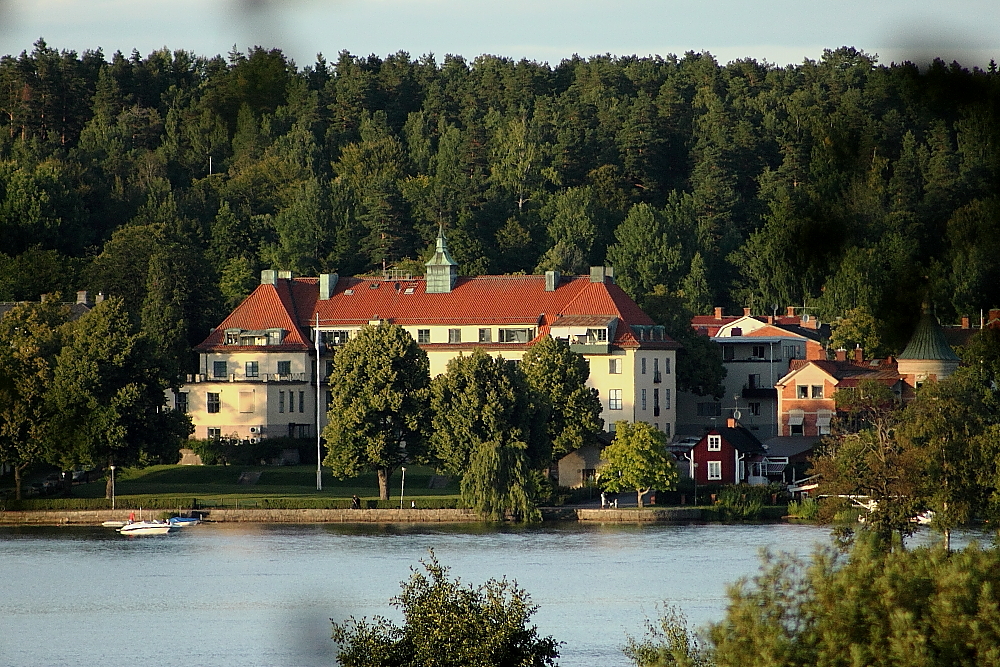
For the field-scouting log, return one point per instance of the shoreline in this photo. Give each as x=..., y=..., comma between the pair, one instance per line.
x=307, y=516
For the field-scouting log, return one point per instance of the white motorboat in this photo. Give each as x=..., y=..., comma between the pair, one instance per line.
x=147, y=528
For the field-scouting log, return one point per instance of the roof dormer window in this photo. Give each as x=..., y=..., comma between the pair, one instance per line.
x=232, y=336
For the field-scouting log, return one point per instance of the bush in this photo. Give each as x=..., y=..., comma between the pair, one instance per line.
x=807, y=509
x=232, y=451
x=745, y=502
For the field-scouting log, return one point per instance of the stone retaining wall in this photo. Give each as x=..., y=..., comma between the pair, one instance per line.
x=640, y=515
x=96, y=517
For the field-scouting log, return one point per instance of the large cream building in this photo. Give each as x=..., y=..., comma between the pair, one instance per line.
x=257, y=375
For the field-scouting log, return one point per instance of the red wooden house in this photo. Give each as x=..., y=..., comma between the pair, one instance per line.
x=723, y=455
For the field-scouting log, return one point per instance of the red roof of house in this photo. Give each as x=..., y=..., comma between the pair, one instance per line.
x=850, y=373
x=498, y=300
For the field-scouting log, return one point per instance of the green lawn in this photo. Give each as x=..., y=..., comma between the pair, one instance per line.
x=218, y=486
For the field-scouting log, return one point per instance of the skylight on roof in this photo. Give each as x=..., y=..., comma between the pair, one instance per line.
x=409, y=290
x=348, y=292
x=374, y=285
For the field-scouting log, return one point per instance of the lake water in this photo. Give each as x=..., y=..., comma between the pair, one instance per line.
x=263, y=595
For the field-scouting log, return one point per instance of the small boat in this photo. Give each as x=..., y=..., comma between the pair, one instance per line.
x=183, y=521
x=114, y=524
x=147, y=528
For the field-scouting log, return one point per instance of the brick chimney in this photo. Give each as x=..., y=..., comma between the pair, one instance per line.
x=81, y=298
x=994, y=315
x=718, y=313
x=965, y=322
x=769, y=319
x=859, y=354
x=790, y=311
x=732, y=423
x=841, y=354
x=746, y=311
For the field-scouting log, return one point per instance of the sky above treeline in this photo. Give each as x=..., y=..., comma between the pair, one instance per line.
x=778, y=31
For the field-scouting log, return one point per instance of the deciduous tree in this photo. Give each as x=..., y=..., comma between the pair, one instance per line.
x=448, y=624
x=638, y=459
x=378, y=414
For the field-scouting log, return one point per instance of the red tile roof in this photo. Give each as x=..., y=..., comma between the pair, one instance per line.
x=850, y=373
x=497, y=300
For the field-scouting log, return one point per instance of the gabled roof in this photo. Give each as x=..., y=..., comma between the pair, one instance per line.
x=267, y=307
x=847, y=373
x=739, y=437
x=513, y=301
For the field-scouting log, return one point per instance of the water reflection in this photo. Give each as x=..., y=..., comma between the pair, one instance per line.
x=263, y=594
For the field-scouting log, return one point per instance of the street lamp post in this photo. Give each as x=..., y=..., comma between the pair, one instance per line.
x=319, y=459
x=112, y=487
x=402, y=487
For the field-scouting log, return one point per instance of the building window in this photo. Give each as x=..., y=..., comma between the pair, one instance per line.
x=753, y=381
x=643, y=363
x=252, y=369
x=728, y=353
x=656, y=370
x=611, y=427
x=796, y=429
x=713, y=409
x=281, y=401
x=233, y=337
x=329, y=368
x=454, y=335
x=423, y=335
x=291, y=401
x=791, y=352
x=597, y=336
x=515, y=335
x=715, y=470
x=614, y=366
x=754, y=409
x=214, y=402
x=302, y=401
x=615, y=399
x=219, y=369
x=656, y=401
x=642, y=398
x=336, y=337
x=666, y=429
x=329, y=400
x=246, y=401
x=801, y=391
x=666, y=399
x=817, y=391
x=486, y=335
x=757, y=351
x=285, y=368
x=666, y=366
x=715, y=443
x=214, y=433
x=181, y=401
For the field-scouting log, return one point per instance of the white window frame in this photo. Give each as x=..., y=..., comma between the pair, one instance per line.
x=715, y=443
x=423, y=336
x=615, y=366
x=615, y=399
x=714, y=470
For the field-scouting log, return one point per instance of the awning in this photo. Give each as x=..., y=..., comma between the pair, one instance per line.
x=823, y=417
x=795, y=417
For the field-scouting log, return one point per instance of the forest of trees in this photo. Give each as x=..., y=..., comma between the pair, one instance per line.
x=841, y=185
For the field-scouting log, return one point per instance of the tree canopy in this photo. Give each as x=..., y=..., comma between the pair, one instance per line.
x=378, y=410
x=638, y=459
x=449, y=624
x=839, y=183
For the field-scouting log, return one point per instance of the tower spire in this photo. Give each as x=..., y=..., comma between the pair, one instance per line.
x=442, y=269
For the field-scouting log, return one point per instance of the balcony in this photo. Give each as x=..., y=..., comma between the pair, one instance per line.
x=263, y=377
